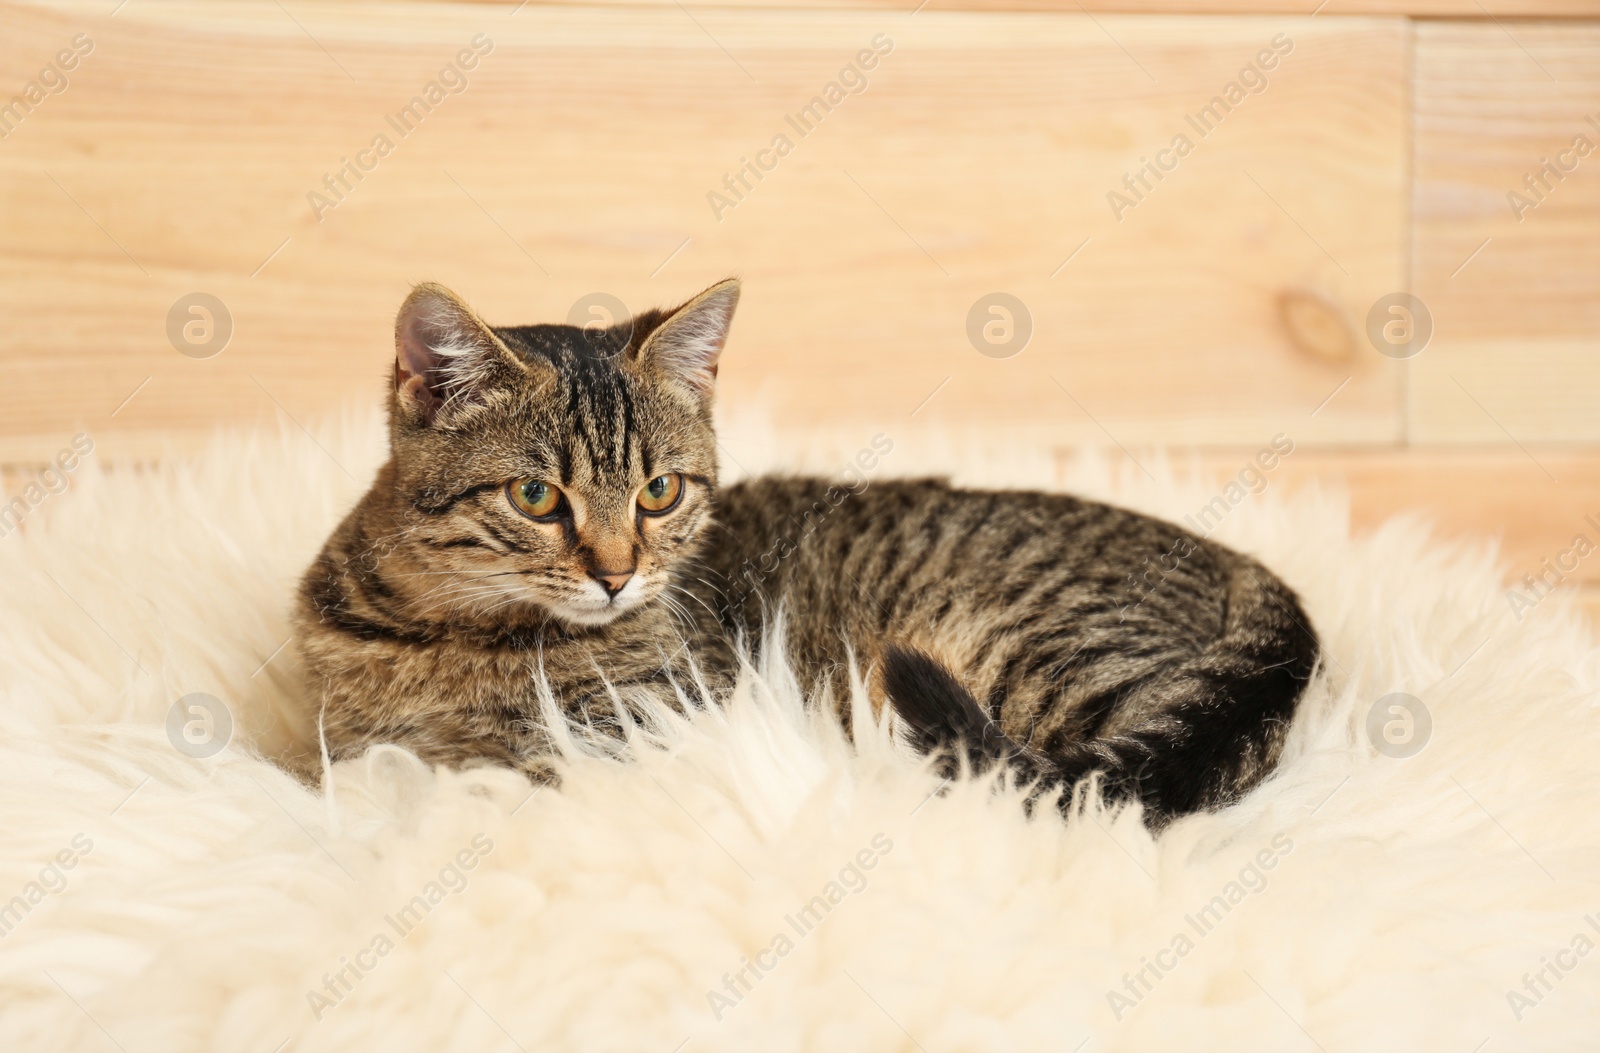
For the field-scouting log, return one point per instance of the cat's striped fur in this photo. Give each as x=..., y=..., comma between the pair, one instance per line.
x=1061, y=662
x=1015, y=626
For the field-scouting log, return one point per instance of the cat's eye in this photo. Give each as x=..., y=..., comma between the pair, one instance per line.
x=661, y=494
x=535, y=499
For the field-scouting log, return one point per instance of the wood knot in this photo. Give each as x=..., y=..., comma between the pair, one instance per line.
x=1317, y=325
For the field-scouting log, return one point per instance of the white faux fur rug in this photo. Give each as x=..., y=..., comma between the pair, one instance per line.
x=747, y=880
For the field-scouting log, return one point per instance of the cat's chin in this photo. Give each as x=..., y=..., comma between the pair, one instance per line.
x=590, y=616
x=594, y=607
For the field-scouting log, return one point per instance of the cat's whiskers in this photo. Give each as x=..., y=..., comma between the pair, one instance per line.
x=448, y=592
x=466, y=596
x=677, y=609
x=697, y=599
x=461, y=580
x=373, y=543
x=452, y=589
x=462, y=573
x=455, y=581
x=506, y=602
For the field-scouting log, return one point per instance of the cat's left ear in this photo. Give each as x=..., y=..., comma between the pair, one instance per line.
x=687, y=345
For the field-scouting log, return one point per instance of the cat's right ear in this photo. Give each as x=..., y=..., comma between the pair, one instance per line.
x=446, y=357
x=686, y=345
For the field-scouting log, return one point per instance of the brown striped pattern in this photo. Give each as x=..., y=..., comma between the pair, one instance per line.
x=1065, y=636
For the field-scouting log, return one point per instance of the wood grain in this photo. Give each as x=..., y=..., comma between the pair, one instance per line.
x=1465, y=493
x=580, y=159
x=1511, y=286
x=1467, y=9
x=1468, y=493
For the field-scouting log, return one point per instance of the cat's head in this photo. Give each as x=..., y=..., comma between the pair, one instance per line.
x=547, y=469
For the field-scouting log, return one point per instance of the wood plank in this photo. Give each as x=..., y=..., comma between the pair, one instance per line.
x=1460, y=9
x=1466, y=492
x=1510, y=281
x=580, y=159
x=1472, y=493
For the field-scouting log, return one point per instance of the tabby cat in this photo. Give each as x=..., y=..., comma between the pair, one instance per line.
x=551, y=507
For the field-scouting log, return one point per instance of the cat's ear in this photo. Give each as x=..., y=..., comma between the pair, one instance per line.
x=687, y=345
x=446, y=356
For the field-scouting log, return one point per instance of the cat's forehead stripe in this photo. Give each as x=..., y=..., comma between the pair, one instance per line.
x=599, y=438
x=601, y=417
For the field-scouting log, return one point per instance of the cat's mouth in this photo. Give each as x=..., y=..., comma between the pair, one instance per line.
x=594, y=606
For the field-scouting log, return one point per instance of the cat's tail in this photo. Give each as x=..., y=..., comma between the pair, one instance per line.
x=1215, y=726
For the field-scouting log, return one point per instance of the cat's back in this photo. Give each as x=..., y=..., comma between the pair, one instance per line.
x=904, y=556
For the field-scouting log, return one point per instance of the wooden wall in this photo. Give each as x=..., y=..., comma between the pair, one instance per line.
x=1227, y=302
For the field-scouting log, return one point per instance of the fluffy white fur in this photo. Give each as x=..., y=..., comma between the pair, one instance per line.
x=219, y=892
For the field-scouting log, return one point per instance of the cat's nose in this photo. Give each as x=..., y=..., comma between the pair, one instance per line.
x=611, y=581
